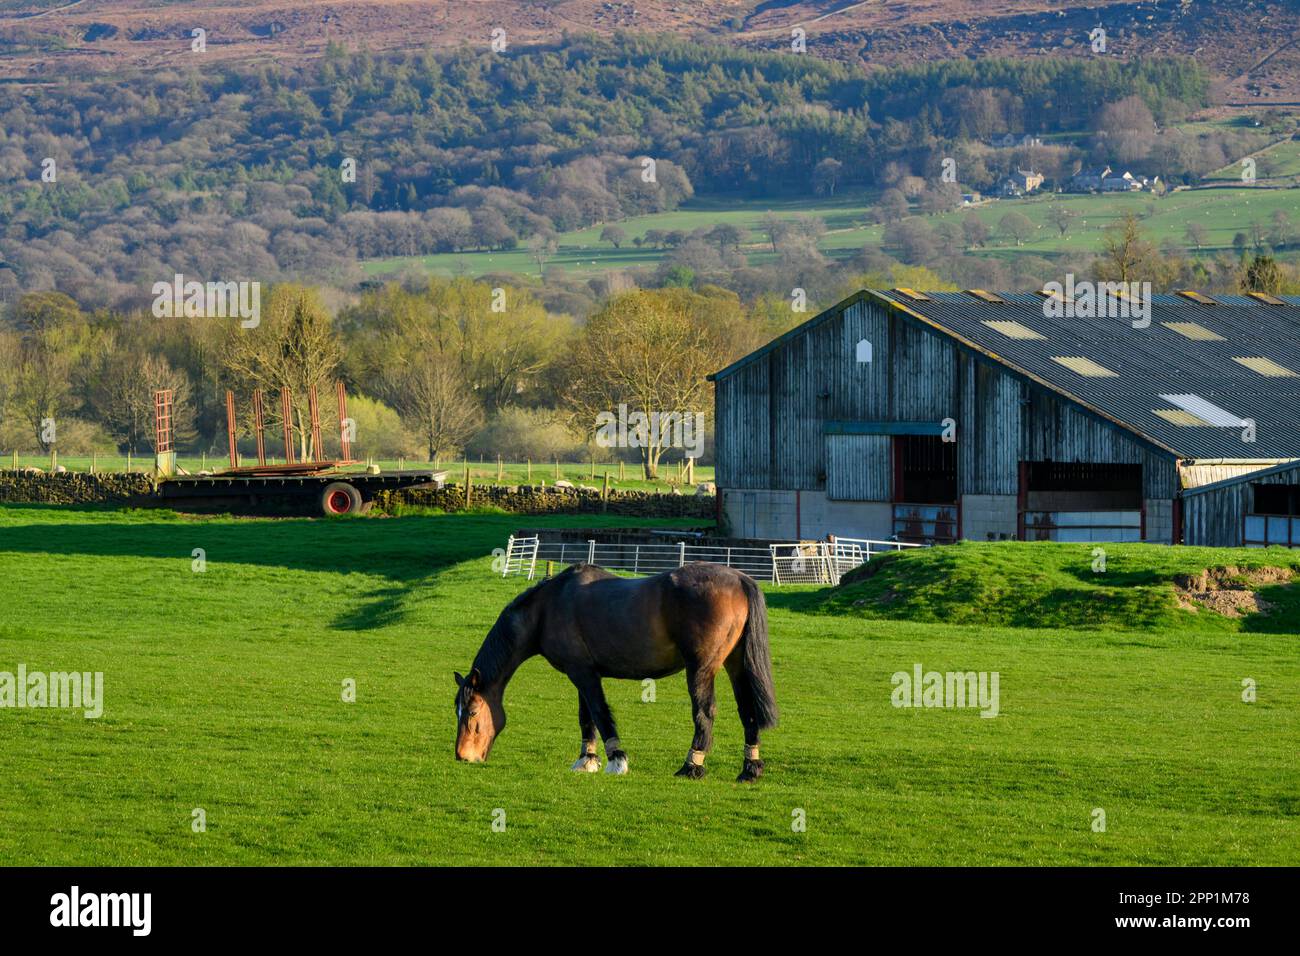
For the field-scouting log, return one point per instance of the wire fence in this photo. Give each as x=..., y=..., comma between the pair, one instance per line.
x=795, y=562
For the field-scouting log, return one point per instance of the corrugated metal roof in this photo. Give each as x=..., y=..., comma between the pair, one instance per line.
x=1195, y=474
x=1148, y=362
x=1253, y=475
x=1153, y=363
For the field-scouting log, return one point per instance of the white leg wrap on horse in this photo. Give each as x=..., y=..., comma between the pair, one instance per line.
x=696, y=757
x=751, y=753
x=615, y=765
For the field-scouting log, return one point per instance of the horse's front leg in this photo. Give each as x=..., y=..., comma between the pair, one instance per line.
x=703, y=706
x=593, y=694
x=588, y=760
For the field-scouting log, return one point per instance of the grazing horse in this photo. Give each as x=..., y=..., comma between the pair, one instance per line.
x=590, y=624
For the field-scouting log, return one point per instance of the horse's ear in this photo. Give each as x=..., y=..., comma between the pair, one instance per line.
x=460, y=681
x=475, y=678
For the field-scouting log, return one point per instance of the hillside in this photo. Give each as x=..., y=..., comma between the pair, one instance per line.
x=1143, y=587
x=1251, y=43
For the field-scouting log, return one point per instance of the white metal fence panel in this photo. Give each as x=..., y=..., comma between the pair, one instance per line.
x=869, y=547
x=804, y=563
x=521, y=554
x=798, y=562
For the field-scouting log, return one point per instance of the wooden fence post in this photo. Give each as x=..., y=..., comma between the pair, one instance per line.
x=469, y=485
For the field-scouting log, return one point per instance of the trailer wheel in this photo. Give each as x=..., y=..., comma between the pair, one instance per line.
x=340, y=498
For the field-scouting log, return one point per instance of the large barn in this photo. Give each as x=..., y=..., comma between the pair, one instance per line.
x=934, y=416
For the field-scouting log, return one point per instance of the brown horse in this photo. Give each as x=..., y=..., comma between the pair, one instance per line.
x=590, y=624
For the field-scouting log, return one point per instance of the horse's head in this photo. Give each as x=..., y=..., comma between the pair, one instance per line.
x=479, y=718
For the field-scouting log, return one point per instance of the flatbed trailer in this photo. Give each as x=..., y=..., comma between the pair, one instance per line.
x=328, y=492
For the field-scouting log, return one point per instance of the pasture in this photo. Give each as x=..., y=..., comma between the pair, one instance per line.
x=1223, y=212
x=222, y=692
x=482, y=472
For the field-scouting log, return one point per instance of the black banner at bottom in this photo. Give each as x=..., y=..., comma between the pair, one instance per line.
x=335, y=905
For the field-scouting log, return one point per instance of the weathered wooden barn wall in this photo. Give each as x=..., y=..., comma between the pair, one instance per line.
x=1058, y=432
x=858, y=468
x=744, y=419
x=988, y=452
x=771, y=413
x=1214, y=517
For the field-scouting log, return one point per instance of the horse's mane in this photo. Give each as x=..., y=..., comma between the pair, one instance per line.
x=501, y=639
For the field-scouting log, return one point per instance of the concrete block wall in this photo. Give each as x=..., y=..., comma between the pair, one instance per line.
x=988, y=517
x=1160, y=520
x=807, y=515
x=820, y=516
x=759, y=513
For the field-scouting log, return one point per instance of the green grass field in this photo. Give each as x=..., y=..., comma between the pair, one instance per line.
x=223, y=692
x=629, y=478
x=582, y=253
x=1223, y=212
x=1278, y=163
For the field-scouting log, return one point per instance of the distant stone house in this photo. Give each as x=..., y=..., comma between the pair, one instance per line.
x=1120, y=184
x=1020, y=183
x=1089, y=180
x=1105, y=180
x=1012, y=140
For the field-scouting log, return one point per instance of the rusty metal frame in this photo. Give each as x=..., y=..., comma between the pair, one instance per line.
x=230, y=428
x=162, y=420
x=345, y=444
x=313, y=406
x=259, y=424
x=286, y=411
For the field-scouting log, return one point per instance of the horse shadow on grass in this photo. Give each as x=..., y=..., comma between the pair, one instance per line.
x=409, y=553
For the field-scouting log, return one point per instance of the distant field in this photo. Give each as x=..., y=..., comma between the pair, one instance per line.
x=628, y=478
x=582, y=253
x=1222, y=211
x=1279, y=162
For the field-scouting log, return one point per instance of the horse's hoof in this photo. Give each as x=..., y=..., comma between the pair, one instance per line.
x=752, y=770
x=693, y=771
x=587, y=763
x=617, y=763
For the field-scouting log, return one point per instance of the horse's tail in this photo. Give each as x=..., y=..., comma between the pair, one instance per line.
x=757, y=658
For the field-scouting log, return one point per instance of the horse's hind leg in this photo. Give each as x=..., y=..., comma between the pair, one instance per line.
x=704, y=707
x=753, y=766
x=593, y=695
x=588, y=760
